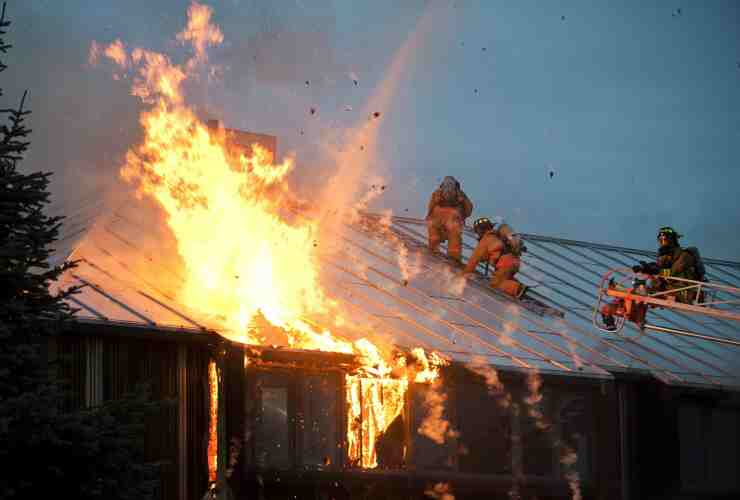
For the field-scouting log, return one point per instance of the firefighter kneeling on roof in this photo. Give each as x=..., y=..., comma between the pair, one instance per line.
x=448, y=209
x=672, y=261
x=501, y=248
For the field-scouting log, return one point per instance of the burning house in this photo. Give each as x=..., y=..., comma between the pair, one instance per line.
x=326, y=354
x=427, y=385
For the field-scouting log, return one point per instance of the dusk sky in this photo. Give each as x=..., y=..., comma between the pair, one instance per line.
x=634, y=106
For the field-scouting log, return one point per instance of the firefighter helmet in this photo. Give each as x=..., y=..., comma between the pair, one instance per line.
x=669, y=234
x=481, y=226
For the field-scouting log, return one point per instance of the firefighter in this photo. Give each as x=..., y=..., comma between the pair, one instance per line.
x=446, y=214
x=501, y=248
x=672, y=260
x=676, y=262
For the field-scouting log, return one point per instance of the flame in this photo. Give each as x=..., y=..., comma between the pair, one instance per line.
x=200, y=32
x=373, y=404
x=116, y=52
x=434, y=425
x=213, y=422
x=244, y=258
x=430, y=365
x=240, y=255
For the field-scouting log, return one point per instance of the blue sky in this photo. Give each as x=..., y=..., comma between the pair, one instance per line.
x=634, y=107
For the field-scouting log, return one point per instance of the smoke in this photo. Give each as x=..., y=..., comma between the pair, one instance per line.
x=533, y=406
x=359, y=160
x=434, y=425
x=568, y=459
x=568, y=456
x=496, y=388
x=269, y=64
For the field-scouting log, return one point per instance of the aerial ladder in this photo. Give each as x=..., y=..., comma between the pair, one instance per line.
x=633, y=295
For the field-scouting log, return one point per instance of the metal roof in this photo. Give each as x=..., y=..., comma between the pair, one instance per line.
x=380, y=270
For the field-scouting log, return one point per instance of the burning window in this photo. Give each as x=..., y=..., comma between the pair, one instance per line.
x=376, y=427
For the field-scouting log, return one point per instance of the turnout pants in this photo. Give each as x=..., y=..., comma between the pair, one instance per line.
x=446, y=224
x=503, y=277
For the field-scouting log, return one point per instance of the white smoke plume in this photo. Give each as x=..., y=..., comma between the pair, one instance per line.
x=568, y=457
x=434, y=425
x=496, y=388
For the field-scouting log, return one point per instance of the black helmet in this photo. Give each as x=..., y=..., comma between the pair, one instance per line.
x=481, y=226
x=670, y=234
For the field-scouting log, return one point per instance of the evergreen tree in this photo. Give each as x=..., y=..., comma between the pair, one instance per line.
x=45, y=448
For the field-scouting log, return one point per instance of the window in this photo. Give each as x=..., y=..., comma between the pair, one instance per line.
x=536, y=436
x=294, y=417
x=576, y=432
x=320, y=421
x=485, y=432
x=709, y=439
x=426, y=453
x=561, y=439
x=273, y=431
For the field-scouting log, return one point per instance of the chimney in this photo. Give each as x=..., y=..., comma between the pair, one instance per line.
x=214, y=124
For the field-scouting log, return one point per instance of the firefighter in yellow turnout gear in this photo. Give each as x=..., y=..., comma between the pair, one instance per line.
x=448, y=208
x=502, y=249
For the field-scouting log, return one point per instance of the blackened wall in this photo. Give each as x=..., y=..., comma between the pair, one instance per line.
x=103, y=361
x=686, y=442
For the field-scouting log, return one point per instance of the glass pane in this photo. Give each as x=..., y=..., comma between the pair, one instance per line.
x=272, y=447
x=319, y=425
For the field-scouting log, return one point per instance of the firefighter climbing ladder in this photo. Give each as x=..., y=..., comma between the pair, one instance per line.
x=634, y=299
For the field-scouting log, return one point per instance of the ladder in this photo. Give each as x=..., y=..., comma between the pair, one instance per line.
x=635, y=294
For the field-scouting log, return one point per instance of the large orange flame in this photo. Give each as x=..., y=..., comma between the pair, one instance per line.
x=244, y=257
